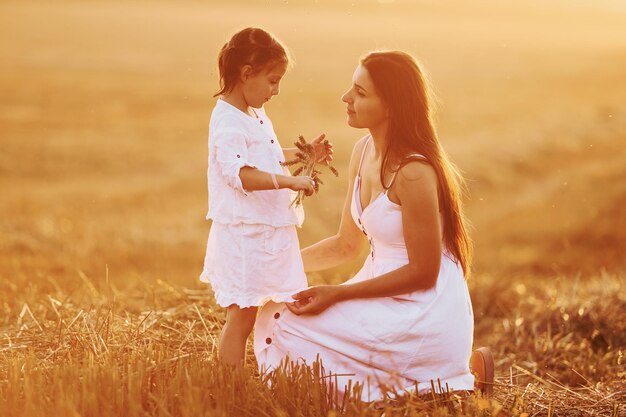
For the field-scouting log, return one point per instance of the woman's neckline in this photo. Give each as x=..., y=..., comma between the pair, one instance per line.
x=359, y=182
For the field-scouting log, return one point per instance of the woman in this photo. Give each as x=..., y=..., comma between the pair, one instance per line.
x=406, y=317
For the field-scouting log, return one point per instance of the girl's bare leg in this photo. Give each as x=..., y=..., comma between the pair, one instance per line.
x=239, y=324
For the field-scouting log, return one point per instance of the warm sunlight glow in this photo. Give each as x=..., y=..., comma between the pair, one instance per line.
x=105, y=110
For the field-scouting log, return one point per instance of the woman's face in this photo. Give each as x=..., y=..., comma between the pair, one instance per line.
x=365, y=108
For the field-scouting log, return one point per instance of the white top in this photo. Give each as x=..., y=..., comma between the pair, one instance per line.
x=237, y=139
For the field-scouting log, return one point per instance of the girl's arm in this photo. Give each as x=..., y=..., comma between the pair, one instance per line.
x=416, y=187
x=347, y=243
x=254, y=179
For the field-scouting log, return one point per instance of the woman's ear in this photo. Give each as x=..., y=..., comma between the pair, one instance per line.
x=245, y=72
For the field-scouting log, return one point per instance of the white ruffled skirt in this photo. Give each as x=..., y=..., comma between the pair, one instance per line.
x=251, y=264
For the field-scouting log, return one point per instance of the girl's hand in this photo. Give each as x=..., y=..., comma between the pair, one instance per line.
x=303, y=183
x=323, y=150
x=314, y=300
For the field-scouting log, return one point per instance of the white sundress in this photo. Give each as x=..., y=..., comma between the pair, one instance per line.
x=402, y=341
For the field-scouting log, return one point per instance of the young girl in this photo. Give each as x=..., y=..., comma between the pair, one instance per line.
x=252, y=251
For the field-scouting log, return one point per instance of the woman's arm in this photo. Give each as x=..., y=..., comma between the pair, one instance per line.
x=290, y=153
x=348, y=241
x=323, y=151
x=416, y=188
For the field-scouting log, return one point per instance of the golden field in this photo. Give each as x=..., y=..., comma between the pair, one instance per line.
x=104, y=110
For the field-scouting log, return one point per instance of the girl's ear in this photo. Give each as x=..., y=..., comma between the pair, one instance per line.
x=245, y=72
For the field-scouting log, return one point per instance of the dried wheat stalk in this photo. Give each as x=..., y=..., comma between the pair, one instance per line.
x=306, y=159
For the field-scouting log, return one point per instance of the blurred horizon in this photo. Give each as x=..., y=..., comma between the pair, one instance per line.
x=105, y=108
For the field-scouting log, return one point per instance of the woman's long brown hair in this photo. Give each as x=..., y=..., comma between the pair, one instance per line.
x=401, y=84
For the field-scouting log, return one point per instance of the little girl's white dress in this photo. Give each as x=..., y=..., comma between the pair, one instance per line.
x=253, y=253
x=404, y=342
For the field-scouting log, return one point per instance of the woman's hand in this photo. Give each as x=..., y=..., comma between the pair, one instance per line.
x=314, y=300
x=323, y=150
x=302, y=182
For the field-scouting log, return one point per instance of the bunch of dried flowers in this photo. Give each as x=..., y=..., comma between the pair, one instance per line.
x=306, y=158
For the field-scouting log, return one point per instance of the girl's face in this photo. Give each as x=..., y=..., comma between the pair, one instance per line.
x=259, y=87
x=365, y=108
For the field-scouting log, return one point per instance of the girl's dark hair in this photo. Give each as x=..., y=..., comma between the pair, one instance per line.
x=403, y=87
x=250, y=46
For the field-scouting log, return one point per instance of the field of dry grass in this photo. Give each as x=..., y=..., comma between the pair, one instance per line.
x=103, y=123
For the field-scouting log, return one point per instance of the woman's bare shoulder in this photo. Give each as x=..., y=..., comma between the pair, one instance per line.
x=416, y=175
